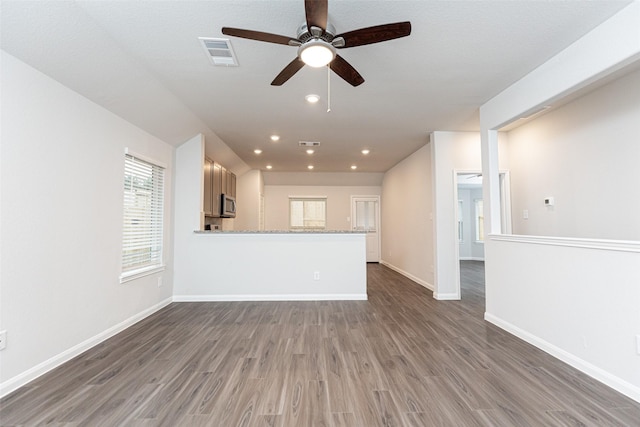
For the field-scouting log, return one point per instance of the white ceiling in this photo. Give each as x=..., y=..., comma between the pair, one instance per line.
x=143, y=61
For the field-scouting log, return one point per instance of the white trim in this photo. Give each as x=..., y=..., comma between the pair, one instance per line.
x=22, y=379
x=141, y=272
x=446, y=297
x=605, y=377
x=601, y=244
x=267, y=297
x=471, y=258
x=408, y=275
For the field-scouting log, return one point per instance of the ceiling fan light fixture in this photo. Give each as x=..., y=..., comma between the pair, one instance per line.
x=316, y=53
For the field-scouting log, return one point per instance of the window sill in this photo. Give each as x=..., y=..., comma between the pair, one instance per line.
x=136, y=274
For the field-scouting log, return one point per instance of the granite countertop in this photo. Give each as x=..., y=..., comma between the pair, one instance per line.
x=278, y=232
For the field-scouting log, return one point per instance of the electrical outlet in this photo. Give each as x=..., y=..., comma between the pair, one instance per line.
x=638, y=344
x=3, y=340
x=160, y=281
x=316, y=275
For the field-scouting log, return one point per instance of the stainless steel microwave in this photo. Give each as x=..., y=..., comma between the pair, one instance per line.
x=227, y=206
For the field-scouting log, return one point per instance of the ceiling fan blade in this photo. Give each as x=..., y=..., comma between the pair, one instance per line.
x=260, y=36
x=288, y=72
x=316, y=13
x=346, y=71
x=376, y=34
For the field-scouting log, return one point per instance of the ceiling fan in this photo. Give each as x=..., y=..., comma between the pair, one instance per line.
x=317, y=42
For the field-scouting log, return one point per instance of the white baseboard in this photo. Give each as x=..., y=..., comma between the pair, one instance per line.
x=408, y=275
x=266, y=297
x=22, y=379
x=446, y=297
x=599, y=374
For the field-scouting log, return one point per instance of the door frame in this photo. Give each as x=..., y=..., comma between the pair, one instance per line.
x=378, y=222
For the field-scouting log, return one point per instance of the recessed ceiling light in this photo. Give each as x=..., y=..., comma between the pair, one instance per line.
x=310, y=167
x=269, y=167
x=354, y=167
x=310, y=151
x=312, y=98
x=257, y=151
x=365, y=151
x=275, y=138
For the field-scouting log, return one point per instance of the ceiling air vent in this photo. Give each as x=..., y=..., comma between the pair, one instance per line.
x=308, y=143
x=219, y=51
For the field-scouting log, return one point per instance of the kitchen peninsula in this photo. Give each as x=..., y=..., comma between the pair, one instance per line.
x=256, y=265
x=276, y=266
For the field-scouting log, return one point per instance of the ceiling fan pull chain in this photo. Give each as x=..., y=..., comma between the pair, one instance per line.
x=328, y=89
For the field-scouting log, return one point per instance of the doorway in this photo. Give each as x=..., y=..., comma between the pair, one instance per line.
x=469, y=233
x=365, y=216
x=470, y=217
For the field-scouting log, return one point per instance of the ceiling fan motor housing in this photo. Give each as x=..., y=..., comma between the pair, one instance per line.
x=304, y=34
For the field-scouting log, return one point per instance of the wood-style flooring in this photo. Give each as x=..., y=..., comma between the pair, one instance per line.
x=399, y=359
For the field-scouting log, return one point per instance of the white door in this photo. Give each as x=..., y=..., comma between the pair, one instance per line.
x=365, y=216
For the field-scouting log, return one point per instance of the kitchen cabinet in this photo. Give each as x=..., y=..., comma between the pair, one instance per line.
x=228, y=183
x=217, y=181
x=208, y=190
x=216, y=188
x=231, y=184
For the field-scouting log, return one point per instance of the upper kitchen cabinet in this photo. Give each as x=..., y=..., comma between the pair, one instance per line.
x=208, y=190
x=228, y=183
x=216, y=188
x=217, y=181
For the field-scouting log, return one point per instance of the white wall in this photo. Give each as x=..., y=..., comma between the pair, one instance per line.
x=327, y=179
x=62, y=189
x=577, y=303
x=406, y=206
x=451, y=152
x=586, y=155
x=273, y=266
x=188, y=216
x=249, y=188
x=579, y=299
x=338, y=203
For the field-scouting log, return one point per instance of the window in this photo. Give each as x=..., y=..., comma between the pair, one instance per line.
x=479, y=220
x=143, y=218
x=307, y=213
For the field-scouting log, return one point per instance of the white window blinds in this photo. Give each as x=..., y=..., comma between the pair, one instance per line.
x=143, y=216
x=307, y=213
